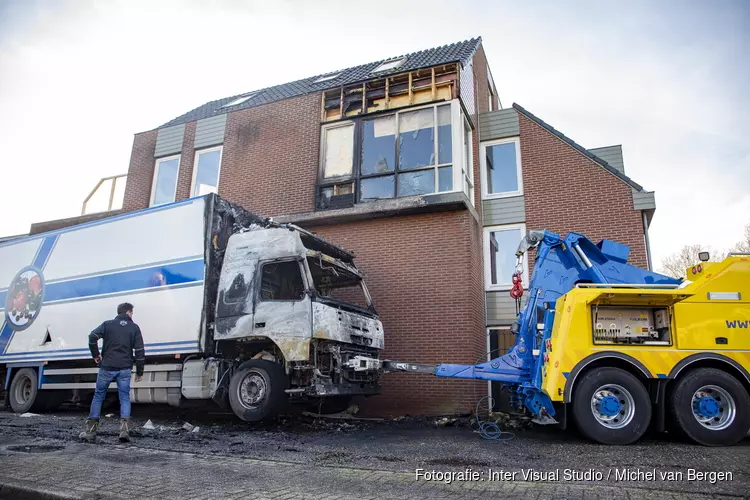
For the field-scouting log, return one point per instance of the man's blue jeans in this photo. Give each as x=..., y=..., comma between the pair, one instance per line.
x=106, y=377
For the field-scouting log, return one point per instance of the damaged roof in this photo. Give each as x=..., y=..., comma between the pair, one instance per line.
x=578, y=147
x=455, y=52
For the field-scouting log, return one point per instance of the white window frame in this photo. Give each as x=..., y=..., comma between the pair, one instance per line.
x=486, y=195
x=240, y=100
x=198, y=152
x=324, y=143
x=326, y=78
x=486, y=251
x=470, y=167
x=157, y=164
x=399, y=62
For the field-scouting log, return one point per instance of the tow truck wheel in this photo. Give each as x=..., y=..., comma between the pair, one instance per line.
x=710, y=407
x=24, y=394
x=611, y=406
x=257, y=390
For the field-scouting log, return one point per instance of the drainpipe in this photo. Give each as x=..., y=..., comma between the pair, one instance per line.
x=648, y=243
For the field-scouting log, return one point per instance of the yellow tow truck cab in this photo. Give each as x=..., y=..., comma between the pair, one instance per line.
x=689, y=345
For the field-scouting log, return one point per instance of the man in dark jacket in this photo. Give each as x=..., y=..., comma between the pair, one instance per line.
x=121, y=339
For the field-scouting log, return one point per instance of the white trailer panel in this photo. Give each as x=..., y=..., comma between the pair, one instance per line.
x=60, y=285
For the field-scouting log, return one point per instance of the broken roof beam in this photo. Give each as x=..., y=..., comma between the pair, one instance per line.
x=391, y=92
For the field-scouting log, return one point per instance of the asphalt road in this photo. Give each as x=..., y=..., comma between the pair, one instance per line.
x=560, y=459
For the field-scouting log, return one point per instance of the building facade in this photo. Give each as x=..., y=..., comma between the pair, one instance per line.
x=413, y=164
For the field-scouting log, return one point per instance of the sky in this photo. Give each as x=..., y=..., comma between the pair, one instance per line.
x=667, y=80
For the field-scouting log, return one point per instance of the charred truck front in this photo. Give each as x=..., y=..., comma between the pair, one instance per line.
x=233, y=307
x=294, y=313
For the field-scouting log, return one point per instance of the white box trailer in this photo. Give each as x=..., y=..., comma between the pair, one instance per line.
x=233, y=307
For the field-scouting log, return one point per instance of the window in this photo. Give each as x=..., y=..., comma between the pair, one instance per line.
x=501, y=168
x=405, y=154
x=500, y=245
x=326, y=78
x=416, y=151
x=206, y=171
x=389, y=65
x=468, y=164
x=239, y=100
x=491, y=84
x=337, y=284
x=237, y=291
x=281, y=281
x=165, y=180
x=337, y=150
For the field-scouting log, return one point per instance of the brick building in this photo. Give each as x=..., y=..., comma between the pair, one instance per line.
x=413, y=164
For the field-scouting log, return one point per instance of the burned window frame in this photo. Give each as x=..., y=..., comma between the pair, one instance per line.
x=302, y=274
x=347, y=189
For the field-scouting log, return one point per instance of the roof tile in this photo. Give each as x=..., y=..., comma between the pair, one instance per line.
x=455, y=52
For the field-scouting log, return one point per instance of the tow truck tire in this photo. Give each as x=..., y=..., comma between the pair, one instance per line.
x=257, y=390
x=24, y=394
x=611, y=406
x=709, y=407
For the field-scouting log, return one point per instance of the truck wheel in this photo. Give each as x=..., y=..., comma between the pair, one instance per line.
x=611, y=406
x=24, y=394
x=710, y=407
x=256, y=390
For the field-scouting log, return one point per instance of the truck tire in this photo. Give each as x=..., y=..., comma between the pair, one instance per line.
x=709, y=407
x=24, y=394
x=257, y=390
x=611, y=406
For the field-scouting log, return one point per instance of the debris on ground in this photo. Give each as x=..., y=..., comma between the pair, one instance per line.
x=27, y=414
x=445, y=422
x=109, y=415
x=188, y=427
x=352, y=410
x=149, y=425
x=342, y=416
x=510, y=421
x=196, y=429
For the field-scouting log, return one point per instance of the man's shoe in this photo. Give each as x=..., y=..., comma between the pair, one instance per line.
x=125, y=430
x=89, y=433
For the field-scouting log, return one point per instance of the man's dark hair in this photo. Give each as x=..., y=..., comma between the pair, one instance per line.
x=125, y=307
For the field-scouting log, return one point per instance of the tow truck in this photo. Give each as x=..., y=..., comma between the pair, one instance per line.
x=619, y=349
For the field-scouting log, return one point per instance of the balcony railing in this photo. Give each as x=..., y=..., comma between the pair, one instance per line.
x=107, y=195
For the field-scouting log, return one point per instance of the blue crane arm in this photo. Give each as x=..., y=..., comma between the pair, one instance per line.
x=559, y=265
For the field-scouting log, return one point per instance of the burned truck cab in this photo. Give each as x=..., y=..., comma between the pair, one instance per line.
x=288, y=297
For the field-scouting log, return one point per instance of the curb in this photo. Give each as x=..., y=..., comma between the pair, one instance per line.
x=10, y=491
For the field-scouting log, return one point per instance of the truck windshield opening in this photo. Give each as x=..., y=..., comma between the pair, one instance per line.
x=337, y=284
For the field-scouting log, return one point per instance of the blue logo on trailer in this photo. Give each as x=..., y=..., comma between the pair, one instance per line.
x=25, y=295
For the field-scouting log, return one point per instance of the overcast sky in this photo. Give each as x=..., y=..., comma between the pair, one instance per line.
x=670, y=82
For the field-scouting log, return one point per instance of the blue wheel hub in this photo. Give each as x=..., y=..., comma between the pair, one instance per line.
x=707, y=406
x=610, y=406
